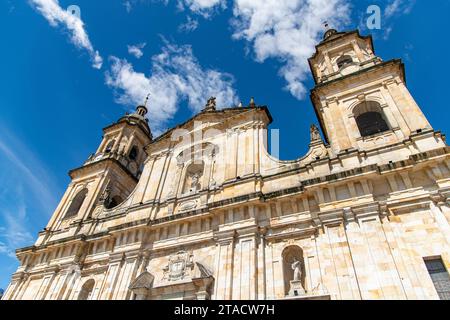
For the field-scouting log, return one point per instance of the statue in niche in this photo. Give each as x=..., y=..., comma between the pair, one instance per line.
x=194, y=174
x=296, y=266
x=195, y=185
x=106, y=195
x=213, y=184
x=314, y=132
x=293, y=271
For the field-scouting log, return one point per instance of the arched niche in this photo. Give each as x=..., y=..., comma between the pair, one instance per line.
x=113, y=202
x=198, y=152
x=87, y=290
x=195, y=166
x=193, y=177
x=293, y=267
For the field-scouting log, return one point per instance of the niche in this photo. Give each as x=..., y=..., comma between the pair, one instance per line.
x=293, y=268
x=192, y=181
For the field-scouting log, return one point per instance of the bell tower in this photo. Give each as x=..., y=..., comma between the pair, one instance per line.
x=108, y=176
x=362, y=102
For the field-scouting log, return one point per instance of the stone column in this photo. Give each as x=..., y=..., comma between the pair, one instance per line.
x=126, y=275
x=245, y=280
x=117, y=143
x=102, y=145
x=358, y=51
x=130, y=143
x=261, y=266
x=17, y=282
x=107, y=290
x=328, y=62
x=224, y=265
x=438, y=215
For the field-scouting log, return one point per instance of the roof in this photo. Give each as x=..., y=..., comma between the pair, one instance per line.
x=133, y=119
x=333, y=35
x=226, y=111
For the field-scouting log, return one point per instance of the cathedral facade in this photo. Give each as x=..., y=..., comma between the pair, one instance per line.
x=205, y=212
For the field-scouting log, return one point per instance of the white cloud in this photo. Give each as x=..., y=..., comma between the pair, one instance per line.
x=136, y=50
x=176, y=75
x=128, y=6
x=28, y=196
x=24, y=166
x=396, y=7
x=189, y=26
x=202, y=7
x=16, y=233
x=25, y=182
x=4, y=248
x=393, y=9
x=287, y=30
x=57, y=16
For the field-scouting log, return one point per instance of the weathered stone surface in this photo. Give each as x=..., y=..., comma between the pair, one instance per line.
x=216, y=217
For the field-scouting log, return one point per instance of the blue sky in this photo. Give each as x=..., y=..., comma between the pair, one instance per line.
x=64, y=78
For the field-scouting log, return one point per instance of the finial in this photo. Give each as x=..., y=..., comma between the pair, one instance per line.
x=142, y=109
x=252, y=103
x=328, y=30
x=146, y=100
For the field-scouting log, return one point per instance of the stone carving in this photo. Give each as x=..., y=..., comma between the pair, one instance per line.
x=193, y=175
x=314, y=132
x=178, y=266
x=195, y=185
x=211, y=104
x=293, y=270
x=213, y=184
x=296, y=287
x=189, y=205
x=106, y=195
x=318, y=152
x=296, y=266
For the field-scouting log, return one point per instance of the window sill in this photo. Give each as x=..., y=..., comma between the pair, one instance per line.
x=377, y=135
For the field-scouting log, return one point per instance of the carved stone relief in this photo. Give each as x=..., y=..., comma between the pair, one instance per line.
x=180, y=265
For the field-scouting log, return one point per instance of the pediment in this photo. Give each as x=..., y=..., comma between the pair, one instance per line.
x=201, y=271
x=144, y=281
x=216, y=119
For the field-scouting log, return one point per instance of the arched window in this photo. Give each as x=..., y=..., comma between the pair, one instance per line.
x=344, y=61
x=113, y=202
x=76, y=204
x=110, y=146
x=370, y=118
x=134, y=152
x=86, y=290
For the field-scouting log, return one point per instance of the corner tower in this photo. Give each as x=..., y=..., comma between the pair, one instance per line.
x=362, y=102
x=107, y=177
